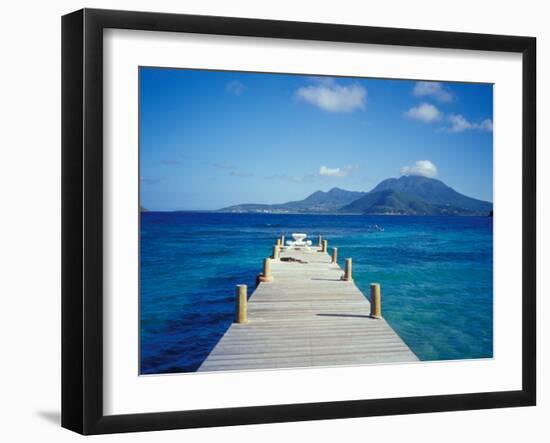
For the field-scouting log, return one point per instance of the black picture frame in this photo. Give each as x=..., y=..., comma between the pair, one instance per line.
x=82, y=219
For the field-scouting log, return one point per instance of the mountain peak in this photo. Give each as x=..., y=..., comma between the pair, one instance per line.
x=417, y=178
x=412, y=183
x=413, y=194
x=331, y=199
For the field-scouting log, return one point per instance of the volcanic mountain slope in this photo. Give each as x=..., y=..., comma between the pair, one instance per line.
x=412, y=195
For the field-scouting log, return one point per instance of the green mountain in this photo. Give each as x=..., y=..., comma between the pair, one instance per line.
x=318, y=202
x=407, y=195
x=434, y=192
x=412, y=195
x=325, y=201
x=388, y=201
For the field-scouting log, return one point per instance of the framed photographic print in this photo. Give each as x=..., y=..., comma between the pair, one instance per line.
x=269, y=221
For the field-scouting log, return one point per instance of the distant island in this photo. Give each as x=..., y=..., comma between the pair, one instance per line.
x=407, y=195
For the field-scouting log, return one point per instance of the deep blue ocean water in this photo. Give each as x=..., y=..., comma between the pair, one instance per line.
x=436, y=275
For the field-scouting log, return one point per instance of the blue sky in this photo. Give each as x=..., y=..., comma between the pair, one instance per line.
x=210, y=139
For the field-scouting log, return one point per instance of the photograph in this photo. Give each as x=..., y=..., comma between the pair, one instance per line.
x=292, y=220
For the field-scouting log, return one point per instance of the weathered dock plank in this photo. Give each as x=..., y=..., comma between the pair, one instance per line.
x=307, y=317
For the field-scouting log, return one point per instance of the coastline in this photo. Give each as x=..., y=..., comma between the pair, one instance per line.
x=213, y=211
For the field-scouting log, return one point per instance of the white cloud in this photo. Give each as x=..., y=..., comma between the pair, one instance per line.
x=486, y=125
x=331, y=97
x=425, y=112
x=434, y=90
x=235, y=87
x=336, y=172
x=459, y=124
x=424, y=168
x=331, y=172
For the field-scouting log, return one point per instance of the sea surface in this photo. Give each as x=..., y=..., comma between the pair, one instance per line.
x=436, y=275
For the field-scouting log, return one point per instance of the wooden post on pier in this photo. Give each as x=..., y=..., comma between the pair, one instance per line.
x=282, y=240
x=347, y=271
x=320, y=243
x=276, y=250
x=325, y=246
x=334, y=255
x=278, y=242
x=375, y=301
x=266, y=275
x=241, y=304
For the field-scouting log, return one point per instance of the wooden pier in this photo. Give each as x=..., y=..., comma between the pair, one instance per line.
x=306, y=316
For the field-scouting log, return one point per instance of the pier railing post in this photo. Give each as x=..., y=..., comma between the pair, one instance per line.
x=320, y=243
x=325, y=246
x=375, y=301
x=334, y=255
x=265, y=276
x=347, y=271
x=241, y=304
x=282, y=240
x=275, y=253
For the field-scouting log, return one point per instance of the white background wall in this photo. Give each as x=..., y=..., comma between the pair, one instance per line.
x=30, y=218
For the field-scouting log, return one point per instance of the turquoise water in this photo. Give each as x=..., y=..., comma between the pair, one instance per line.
x=436, y=275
